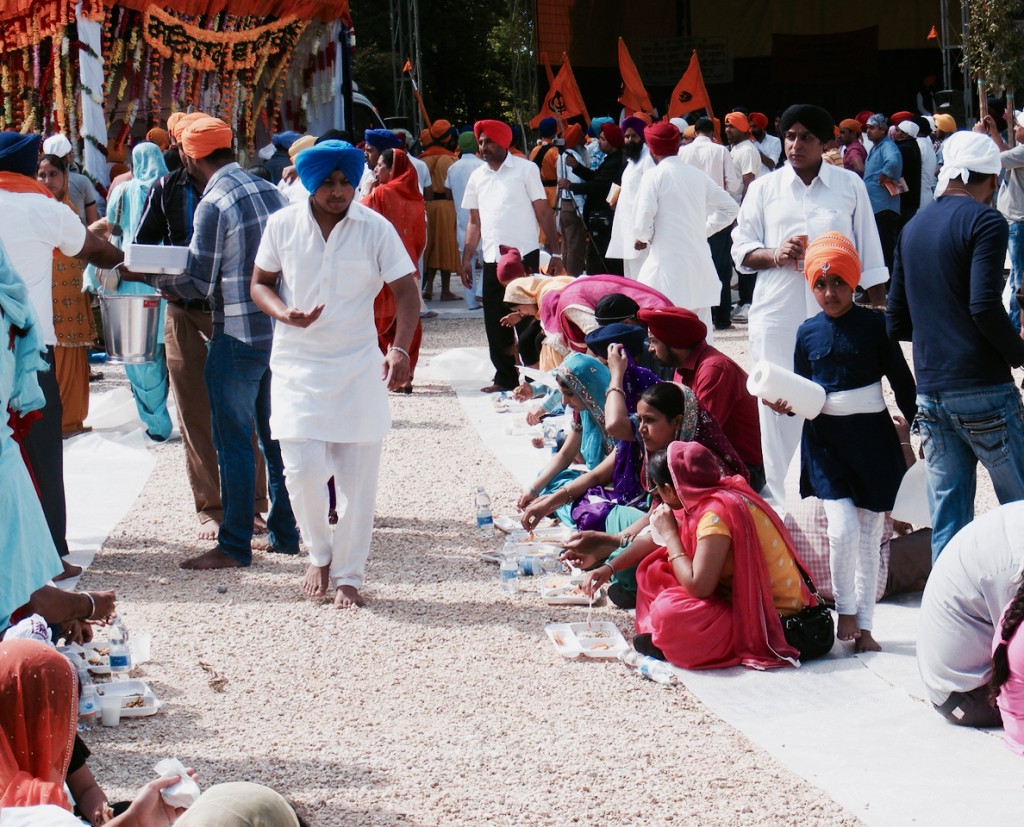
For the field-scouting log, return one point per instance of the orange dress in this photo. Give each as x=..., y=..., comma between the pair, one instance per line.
x=442, y=252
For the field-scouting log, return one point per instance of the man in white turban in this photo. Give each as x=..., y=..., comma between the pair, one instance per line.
x=945, y=297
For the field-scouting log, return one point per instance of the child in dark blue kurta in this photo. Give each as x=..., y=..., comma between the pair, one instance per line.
x=850, y=454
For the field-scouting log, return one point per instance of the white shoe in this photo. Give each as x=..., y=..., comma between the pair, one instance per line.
x=740, y=313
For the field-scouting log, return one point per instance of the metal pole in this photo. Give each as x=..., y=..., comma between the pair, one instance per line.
x=346, y=79
x=417, y=56
x=947, y=78
x=968, y=85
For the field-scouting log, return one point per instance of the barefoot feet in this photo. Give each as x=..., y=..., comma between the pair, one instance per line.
x=348, y=596
x=212, y=559
x=847, y=629
x=69, y=571
x=209, y=530
x=866, y=643
x=316, y=581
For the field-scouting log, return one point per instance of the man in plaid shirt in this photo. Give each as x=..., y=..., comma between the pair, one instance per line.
x=228, y=225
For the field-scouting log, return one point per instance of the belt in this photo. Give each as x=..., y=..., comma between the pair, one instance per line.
x=441, y=196
x=867, y=399
x=192, y=304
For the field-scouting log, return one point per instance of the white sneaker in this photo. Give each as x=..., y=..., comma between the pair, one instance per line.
x=740, y=313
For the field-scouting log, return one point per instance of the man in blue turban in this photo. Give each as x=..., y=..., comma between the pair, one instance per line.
x=19, y=153
x=376, y=141
x=329, y=397
x=277, y=162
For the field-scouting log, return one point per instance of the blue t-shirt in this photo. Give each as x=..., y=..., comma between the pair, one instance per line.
x=946, y=296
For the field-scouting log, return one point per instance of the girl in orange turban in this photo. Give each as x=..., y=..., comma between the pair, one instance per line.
x=850, y=454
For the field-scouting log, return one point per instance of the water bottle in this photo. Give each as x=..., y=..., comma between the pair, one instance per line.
x=120, y=654
x=651, y=668
x=88, y=705
x=538, y=566
x=550, y=430
x=508, y=574
x=484, y=518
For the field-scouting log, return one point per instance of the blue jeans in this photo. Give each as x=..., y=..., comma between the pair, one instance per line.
x=1016, y=269
x=959, y=428
x=238, y=383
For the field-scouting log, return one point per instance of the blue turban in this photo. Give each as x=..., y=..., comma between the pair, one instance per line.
x=629, y=336
x=547, y=127
x=19, y=153
x=283, y=140
x=316, y=164
x=595, y=126
x=383, y=139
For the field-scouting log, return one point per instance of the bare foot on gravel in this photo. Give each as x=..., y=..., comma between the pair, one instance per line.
x=848, y=629
x=259, y=525
x=208, y=530
x=69, y=571
x=866, y=643
x=212, y=559
x=348, y=596
x=316, y=581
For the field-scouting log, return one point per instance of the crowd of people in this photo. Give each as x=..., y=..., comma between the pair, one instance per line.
x=605, y=259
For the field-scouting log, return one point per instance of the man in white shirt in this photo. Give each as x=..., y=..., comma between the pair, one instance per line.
x=677, y=209
x=319, y=267
x=638, y=162
x=767, y=144
x=507, y=205
x=455, y=188
x=715, y=161
x=34, y=225
x=802, y=200
x=745, y=153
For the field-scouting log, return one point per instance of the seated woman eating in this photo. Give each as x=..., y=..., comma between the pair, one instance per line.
x=710, y=595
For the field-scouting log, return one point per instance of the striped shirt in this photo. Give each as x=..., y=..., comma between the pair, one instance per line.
x=227, y=228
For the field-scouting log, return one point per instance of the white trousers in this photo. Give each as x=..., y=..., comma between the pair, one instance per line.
x=631, y=266
x=355, y=466
x=854, y=547
x=704, y=314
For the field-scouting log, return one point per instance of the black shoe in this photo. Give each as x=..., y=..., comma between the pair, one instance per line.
x=727, y=326
x=644, y=644
x=623, y=598
x=272, y=549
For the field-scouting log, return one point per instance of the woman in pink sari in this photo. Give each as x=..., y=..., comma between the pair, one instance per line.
x=712, y=596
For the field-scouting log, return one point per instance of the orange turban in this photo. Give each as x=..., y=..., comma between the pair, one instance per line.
x=426, y=139
x=206, y=135
x=759, y=119
x=182, y=123
x=832, y=254
x=852, y=124
x=172, y=121
x=497, y=131
x=643, y=116
x=573, y=135
x=438, y=129
x=159, y=137
x=738, y=120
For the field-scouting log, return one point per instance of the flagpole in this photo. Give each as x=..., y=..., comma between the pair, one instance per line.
x=416, y=91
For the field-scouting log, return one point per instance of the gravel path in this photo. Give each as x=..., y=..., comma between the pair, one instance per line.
x=442, y=702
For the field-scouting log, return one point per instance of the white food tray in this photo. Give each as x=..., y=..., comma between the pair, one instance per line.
x=88, y=653
x=154, y=258
x=130, y=690
x=564, y=590
x=572, y=640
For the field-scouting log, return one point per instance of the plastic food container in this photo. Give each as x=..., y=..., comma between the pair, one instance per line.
x=600, y=641
x=154, y=258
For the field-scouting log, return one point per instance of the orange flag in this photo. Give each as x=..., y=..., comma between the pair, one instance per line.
x=407, y=67
x=563, y=100
x=690, y=93
x=932, y=35
x=634, y=97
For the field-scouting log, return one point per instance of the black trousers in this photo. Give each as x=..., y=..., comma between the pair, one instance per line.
x=501, y=340
x=721, y=254
x=44, y=447
x=888, y=223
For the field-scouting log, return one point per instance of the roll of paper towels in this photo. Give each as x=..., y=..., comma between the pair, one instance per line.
x=770, y=382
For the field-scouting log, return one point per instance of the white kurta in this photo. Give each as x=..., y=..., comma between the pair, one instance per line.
x=622, y=240
x=776, y=208
x=677, y=208
x=327, y=377
x=929, y=171
x=456, y=179
x=505, y=198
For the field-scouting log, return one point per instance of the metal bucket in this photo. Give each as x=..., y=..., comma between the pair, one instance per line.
x=131, y=326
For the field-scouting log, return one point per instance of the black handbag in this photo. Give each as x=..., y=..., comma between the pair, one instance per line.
x=811, y=631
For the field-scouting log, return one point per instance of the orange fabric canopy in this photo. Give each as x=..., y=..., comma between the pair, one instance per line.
x=321, y=9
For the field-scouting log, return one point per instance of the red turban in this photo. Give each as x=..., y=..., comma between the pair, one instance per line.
x=863, y=116
x=738, y=120
x=675, y=326
x=573, y=135
x=510, y=264
x=497, y=131
x=662, y=139
x=832, y=254
x=206, y=135
x=899, y=117
x=613, y=134
x=759, y=119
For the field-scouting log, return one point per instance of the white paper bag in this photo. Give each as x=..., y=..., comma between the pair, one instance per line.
x=183, y=794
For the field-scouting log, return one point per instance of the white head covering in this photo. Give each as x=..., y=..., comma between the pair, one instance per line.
x=1019, y=118
x=964, y=153
x=930, y=121
x=911, y=128
x=679, y=123
x=57, y=145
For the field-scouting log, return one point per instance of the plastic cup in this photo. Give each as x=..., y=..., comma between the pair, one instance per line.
x=140, y=645
x=110, y=709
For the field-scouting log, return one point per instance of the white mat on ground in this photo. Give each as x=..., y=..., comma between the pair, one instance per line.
x=104, y=472
x=856, y=727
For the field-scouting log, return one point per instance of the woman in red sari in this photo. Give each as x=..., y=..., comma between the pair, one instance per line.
x=396, y=195
x=712, y=596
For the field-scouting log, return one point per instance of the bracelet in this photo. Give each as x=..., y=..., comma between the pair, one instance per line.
x=625, y=540
x=568, y=494
x=906, y=445
x=610, y=568
x=775, y=257
x=401, y=350
x=615, y=390
x=672, y=557
x=92, y=606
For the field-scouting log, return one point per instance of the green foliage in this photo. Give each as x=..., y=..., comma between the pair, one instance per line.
x=995, y=42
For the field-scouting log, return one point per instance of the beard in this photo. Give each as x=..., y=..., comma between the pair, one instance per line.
x=632, y=151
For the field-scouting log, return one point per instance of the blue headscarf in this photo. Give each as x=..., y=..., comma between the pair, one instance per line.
x=316, y=164
x=588, y=379
x=284, y=140
x=595, y=126
x=629, y=336
x=28, y=344
x=128, y=200
x=19, y=153
x=383, y=139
